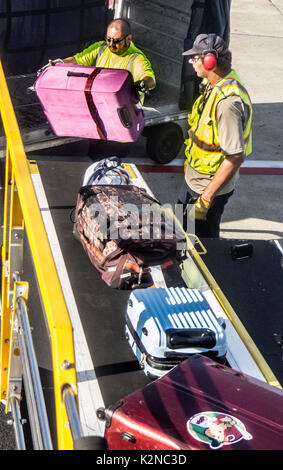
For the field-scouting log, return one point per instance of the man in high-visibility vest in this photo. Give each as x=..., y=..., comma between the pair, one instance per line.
x=118, y=52
x=219, y=135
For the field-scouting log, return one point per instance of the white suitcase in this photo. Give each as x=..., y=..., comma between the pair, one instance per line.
x=167, y=325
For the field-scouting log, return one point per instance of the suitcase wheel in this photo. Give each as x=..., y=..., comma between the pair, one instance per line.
x=100, y=413
x=128, y=437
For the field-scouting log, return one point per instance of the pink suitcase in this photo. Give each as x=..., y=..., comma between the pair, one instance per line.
x=89, y=102
x=198, y=405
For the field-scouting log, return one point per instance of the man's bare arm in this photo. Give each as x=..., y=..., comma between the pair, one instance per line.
x=227, y=169
x=70, y=60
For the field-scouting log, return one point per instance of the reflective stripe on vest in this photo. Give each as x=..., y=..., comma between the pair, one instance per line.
x=100, y=51
x=203, y=148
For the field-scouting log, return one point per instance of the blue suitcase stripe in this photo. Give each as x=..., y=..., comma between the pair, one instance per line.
x=189, y=309
x=200, y=317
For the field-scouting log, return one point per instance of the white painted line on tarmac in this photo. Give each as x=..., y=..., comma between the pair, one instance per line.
x=247, y=163
x=249, y=167
x=262, y=164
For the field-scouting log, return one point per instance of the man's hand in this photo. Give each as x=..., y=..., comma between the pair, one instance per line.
x=50, y=62
x=142, y=86
x=200, y=208
x=227, y=169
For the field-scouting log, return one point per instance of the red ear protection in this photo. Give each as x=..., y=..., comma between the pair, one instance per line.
x=209, y=61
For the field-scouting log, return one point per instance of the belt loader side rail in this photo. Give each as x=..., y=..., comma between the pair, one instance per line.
x=23, y=364
x=17, y=359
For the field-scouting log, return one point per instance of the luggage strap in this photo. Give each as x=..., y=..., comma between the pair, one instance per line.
x=89, y=99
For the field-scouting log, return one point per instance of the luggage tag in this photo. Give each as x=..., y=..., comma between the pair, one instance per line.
x=157, y=276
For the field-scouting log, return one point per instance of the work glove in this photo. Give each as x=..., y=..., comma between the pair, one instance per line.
x=200, y=208
x=142, y=86
x=50, y=62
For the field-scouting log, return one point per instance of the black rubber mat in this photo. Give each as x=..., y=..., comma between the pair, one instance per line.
x=101, y=308
x=253, y=286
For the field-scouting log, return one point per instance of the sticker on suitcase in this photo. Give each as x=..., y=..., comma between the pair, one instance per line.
x=217, y=429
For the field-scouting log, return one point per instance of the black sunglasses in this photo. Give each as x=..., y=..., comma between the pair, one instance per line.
x=116, y=41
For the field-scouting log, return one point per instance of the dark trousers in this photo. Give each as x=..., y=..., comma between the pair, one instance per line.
x=209, y=228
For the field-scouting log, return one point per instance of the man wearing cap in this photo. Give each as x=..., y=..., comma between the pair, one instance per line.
x=219, y=135
x=118, y=52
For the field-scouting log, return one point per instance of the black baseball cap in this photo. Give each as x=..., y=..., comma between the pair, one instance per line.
x=203, y=44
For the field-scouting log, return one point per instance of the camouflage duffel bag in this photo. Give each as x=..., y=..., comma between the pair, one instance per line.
x=124, y=231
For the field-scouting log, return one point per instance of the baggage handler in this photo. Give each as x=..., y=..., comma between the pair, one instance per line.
x=119, y=52
x=219, y=135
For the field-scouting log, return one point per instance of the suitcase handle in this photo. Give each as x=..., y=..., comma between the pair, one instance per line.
x=196, y=338
x=125, y=116
x=78, y=74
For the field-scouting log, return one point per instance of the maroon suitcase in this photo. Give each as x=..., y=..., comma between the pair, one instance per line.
x=198, y=405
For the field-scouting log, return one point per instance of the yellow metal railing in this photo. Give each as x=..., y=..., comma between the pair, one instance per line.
x=21, y=210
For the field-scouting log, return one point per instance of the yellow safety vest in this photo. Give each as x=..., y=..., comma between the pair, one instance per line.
x=103, y=48
x=203, y=150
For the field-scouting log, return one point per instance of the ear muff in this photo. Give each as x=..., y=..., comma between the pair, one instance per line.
x=209, y=60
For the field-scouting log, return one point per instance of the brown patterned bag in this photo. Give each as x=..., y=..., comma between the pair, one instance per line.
x=124, y=231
